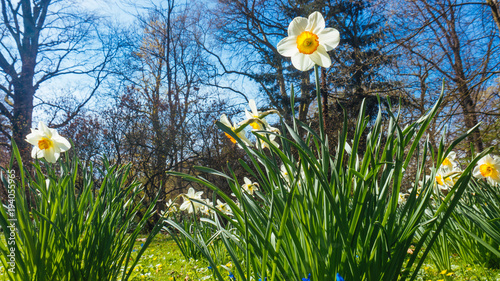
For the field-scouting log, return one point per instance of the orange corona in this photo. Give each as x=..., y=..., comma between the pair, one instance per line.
x=307, y=42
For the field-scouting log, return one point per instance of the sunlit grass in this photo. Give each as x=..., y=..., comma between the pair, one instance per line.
x=164, y=261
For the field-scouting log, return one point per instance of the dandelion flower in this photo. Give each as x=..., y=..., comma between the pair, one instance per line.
x=47, y=143
x=308, y=42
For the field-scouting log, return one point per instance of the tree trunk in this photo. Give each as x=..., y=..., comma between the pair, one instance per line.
x=495, y=11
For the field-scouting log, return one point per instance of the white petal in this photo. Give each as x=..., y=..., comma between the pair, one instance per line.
x=316, y=23
x=253, y=107
x=452, y=155
x=297, y=26
x=321, y=57
x=51, y=155
x=329, y=38
x=225, y=121
x=287, y=47
x=302, y=62
x=34, y=152
x=247, y=180
x=44, y=129
x=33, y=137
x=40, y=154
x=477, y=173
x=61, y=142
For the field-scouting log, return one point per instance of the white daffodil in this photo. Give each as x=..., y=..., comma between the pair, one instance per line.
x=206, y=209
x=308, y=42
x=265, y=144
x=223, y=207
x=190, y=205
x=240, y=134
x=402, y=198
x=47, y=143
x=171, y=207
x=489, y=168
x=250, y=186
x=449, y=162
x=260, y=123
x=286, y=177
x=442, y=180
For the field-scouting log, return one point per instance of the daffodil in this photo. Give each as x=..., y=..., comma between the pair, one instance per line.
x=259, y=123
x=308, y=42
x=249, y=186
x=449, y=162
x=47, y=143
x=189, y=205
x=171, y=208
x=240, y=134
x=223, y=207
x=206, y=209
x=402, y=198
x=271, y=138
x=488, y=167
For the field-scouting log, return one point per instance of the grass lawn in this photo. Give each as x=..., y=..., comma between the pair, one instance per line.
x=164, y=261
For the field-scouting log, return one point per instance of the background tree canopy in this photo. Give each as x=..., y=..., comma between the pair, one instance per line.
x=148, y=90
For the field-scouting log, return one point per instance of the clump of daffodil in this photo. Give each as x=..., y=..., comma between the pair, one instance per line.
x=308, y=42
x=47, y=143
x=488, y=168
x=237, y=130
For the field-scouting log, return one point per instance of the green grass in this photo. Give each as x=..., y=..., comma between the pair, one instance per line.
x=163, y=261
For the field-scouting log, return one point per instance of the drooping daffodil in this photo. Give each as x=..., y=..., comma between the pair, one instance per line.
x=308, y=42
x=488, y=167
x=47, y=143
x=241, y=134
x=249, y=186
x=260, y=123
x=189, y=204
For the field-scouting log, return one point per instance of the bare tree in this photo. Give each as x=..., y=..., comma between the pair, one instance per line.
x=39, y=41
x=456, y=42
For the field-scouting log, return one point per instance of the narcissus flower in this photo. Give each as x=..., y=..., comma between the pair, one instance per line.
x=489, y=168
x=260, y=123
x=47, y=143
x=240, y=134
x=223, y=207
x=250, y=186
x=449, y=162
x=308, y=42
x=190, y=205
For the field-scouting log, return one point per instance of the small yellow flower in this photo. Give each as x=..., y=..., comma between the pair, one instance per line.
x=443, y=272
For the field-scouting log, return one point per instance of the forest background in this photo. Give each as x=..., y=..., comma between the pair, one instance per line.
x=143, y=82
